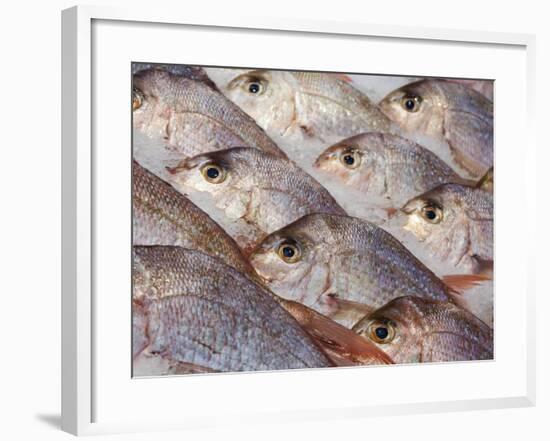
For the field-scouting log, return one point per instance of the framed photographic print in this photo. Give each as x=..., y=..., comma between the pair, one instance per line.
x=240, y=221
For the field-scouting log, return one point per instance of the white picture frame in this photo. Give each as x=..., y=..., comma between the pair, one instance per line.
x=94, y=372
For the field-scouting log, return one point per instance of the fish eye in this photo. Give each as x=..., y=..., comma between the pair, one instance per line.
x=381, y=331
x=289, y=251
x=411, y=103
x=255, y=87
x=137, y=99
x=213, y=173
x=432, y=213
x=350, y=158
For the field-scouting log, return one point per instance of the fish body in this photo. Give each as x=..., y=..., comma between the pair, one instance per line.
x=163, y=216
x=190, y=116
x=261, y=191
x=415, y=330
x=450, y=112
x=386, y=169
x=202, y=315
x=330, y=262
x=454, y=223
x=301, y=107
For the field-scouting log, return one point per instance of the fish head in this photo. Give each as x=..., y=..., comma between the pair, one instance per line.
x=352, y=161
x=396, y=328
x=222, y=174
x=293, y=260
x=149, y=94
x=416, y=107
x=432, y=214
x=267, y=96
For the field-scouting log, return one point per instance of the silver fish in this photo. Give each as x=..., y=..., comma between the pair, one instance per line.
x=299, y=107
x=449, y=112
x=455, y=223
x=342, y=266
x=415, y=330
x=262, y=192
x=386, y=169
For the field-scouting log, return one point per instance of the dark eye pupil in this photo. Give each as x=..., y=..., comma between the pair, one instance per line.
x=212, y=173
x=349, y=159
x=254, y=88
x=430, y=214
x=409, y=104
x=381, y=332
x=288, y=252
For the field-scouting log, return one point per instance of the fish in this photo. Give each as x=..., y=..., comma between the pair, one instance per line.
x=454, y=223
x=193, y=314
x=178, y=116
x=449, y=112
x=387, y=169
x=260, y=191
x=163, y=216
x=202, y=312
x=342, y=267
x=301, y=108
x=416, y=330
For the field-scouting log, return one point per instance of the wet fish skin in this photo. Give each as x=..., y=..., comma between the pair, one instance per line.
x=338, y=261
x=203, y=313
x=301, y=106
x=450, y=112
x=190, y=116
x=262, y=191
x=163, y=216
x=420, y=331
x=461, y=232
x=387, y=169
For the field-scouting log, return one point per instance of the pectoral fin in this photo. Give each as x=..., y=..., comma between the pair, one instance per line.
x=343, y=346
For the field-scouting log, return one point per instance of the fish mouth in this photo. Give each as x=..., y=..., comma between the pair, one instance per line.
x=321, y=160
x=186, y=165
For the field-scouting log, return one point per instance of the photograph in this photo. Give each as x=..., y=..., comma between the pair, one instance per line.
x=287, y=219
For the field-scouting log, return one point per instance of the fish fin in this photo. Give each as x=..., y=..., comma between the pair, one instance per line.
x=460, y=283
x=460, y=128
x=343, y=77
x=343, y=346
